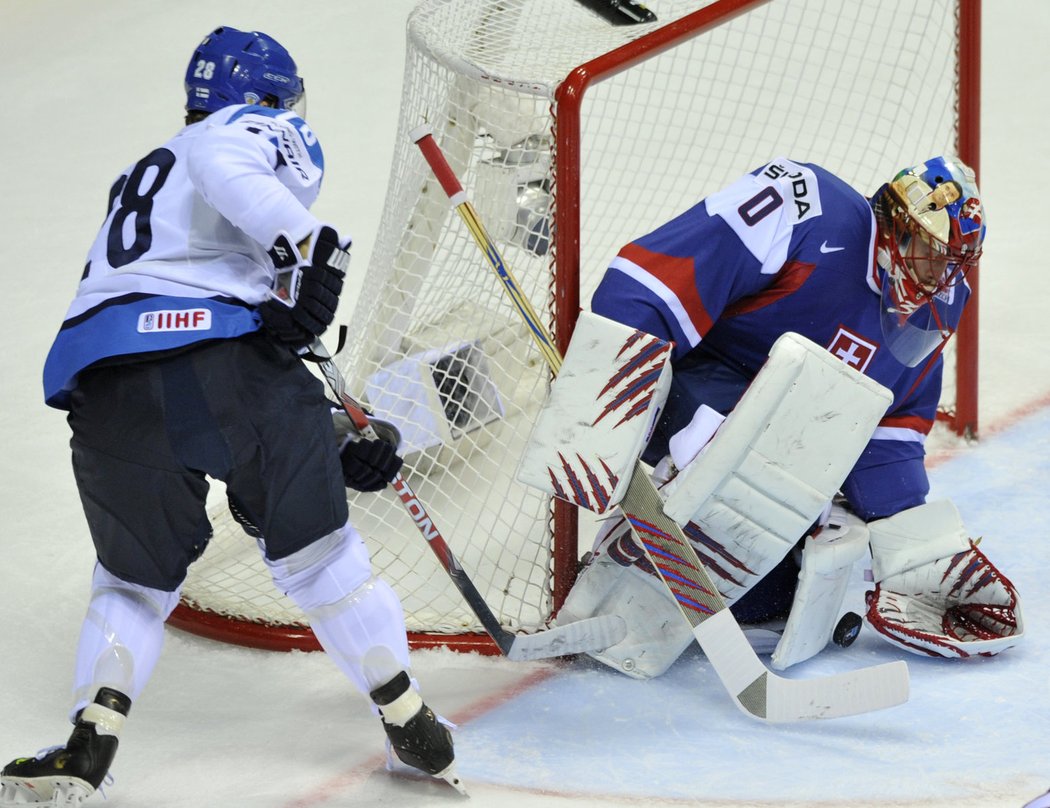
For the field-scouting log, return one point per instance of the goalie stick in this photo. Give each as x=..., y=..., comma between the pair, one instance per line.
x=587, y=635
x=755, y=689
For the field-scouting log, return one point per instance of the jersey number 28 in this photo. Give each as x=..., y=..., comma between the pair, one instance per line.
x=132, y=200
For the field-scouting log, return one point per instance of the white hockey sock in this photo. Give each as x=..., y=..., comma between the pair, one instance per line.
x=356, y=617
x=121, y=638
x=364, y=634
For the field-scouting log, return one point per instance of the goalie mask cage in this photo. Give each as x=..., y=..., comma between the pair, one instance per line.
x=573, y=135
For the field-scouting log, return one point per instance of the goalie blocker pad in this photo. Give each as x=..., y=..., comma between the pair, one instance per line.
x=599, y=415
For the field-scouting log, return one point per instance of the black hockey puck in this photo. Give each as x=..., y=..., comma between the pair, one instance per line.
x=847, y=629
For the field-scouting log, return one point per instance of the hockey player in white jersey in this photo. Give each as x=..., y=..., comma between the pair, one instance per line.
x=176, y=362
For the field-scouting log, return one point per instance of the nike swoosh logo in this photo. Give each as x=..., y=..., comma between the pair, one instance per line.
x=824, y=248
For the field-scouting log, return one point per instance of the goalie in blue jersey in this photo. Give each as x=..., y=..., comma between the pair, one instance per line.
x=179, y=360
x=881, y=284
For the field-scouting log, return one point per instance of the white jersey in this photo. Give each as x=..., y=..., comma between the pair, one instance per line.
x=181, y=256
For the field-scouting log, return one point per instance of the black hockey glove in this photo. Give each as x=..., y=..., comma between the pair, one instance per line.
x=307, y=290
x=368, y=465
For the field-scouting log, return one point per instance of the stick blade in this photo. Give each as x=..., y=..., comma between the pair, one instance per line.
x=764, y=695
x=592, y=634
x=852, y=693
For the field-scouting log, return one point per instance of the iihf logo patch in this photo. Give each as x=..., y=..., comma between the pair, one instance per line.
x=855, y=351
x=174, y=320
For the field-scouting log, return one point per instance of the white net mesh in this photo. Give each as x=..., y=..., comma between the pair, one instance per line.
x=861, y=88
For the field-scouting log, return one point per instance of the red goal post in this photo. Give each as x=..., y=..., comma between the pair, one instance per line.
x=572, y=136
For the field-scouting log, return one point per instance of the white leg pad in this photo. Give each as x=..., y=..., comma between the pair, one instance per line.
x=121, y=637
x=357, y=617
x=776, y=461
x=656, y=632
x=827, y=559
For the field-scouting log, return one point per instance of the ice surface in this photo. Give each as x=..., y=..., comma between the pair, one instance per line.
x=90, y=86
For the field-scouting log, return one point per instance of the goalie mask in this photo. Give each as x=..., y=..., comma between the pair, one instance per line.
x=931, y=231
x=242, y=67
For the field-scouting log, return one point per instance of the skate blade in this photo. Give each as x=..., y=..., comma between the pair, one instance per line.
x=44, y=791
x=394, y=764
x=449, y=775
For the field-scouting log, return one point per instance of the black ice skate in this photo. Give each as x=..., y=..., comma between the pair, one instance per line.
x=68, y=775
x=414, y=733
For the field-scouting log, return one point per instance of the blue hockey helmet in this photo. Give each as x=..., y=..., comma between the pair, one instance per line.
x=931, y=232
x=242, y=67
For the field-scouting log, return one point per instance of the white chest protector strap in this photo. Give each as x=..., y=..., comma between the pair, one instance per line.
x=776, y=462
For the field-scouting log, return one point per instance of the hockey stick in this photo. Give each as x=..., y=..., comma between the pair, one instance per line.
x=575, y=638
x=756, y=690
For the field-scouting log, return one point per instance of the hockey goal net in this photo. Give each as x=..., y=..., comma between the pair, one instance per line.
x=572, y=135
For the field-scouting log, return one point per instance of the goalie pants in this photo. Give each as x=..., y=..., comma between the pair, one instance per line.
x=147, y=434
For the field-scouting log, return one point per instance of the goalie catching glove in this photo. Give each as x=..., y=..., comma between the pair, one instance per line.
x=368, y=464
x=306, y=291
x=935, y=592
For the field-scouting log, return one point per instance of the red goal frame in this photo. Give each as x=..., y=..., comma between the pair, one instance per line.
x=569, y=96
x=568, y=102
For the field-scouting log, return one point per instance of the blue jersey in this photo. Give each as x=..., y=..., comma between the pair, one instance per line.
x=181, y=256
x=789, y=247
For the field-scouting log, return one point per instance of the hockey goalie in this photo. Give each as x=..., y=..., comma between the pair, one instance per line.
x=785, y=416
